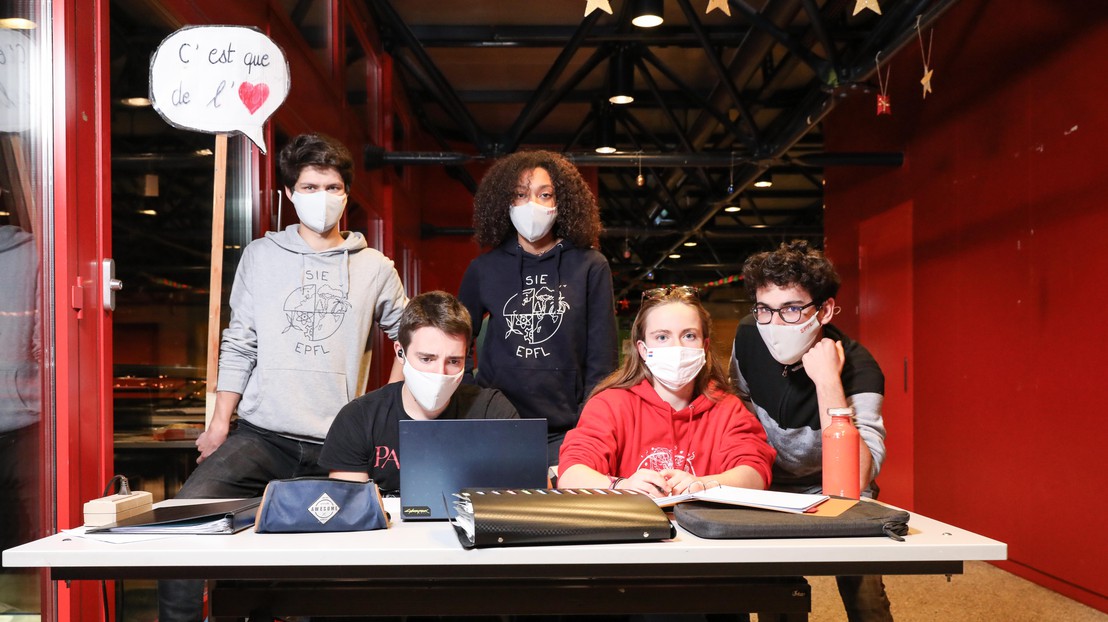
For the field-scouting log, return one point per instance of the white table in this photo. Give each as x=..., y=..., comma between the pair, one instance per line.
x=421, y=569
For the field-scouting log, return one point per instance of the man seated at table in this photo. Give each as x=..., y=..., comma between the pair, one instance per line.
x=790, y=364
x=434, y=332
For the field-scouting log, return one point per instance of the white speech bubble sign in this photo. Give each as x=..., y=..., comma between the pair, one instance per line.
x=16, y=51
x=219, y=79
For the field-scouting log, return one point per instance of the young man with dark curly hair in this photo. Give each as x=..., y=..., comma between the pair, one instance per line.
x=298, y=346
x=790, y=365
x=546, y=290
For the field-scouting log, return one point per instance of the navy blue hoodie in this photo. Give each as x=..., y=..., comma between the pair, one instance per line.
x=551, y=333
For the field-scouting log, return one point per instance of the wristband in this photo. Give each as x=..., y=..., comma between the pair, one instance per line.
x=615, y=482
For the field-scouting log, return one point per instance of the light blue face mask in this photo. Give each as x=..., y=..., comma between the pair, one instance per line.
x=533, y=221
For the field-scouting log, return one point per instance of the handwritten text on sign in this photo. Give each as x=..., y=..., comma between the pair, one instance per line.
x=219, y=79
x=16, y=52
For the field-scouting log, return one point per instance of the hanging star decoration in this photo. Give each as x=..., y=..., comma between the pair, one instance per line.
x=927, y=71
x=926, y=81
x=718, y=4
x=866, y=4
x=884, y=104
x=593, y=5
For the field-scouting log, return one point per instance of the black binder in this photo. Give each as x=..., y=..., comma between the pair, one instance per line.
x=864, y=518
x=503, y=517
x=215, y=517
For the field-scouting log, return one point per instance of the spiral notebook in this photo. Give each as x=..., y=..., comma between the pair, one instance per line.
x=749, y=497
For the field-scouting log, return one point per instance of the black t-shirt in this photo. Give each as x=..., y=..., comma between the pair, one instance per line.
x=366, y=433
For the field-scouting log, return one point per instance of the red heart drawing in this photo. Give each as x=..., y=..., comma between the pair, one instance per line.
x=253, y=95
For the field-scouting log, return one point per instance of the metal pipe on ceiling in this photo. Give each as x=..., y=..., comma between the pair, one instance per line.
x=377, y=157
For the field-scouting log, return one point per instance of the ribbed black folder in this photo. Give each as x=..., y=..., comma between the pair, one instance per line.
x=216, y=517
x=495, y=517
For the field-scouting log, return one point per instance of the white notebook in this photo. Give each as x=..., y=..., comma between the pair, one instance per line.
x=765, y=499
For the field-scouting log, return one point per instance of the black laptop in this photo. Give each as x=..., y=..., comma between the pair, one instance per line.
x=441, y=457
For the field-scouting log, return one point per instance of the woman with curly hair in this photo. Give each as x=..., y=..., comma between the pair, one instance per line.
x=547, y=292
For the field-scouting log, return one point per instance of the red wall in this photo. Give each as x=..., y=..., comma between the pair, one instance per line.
x=1005, y=166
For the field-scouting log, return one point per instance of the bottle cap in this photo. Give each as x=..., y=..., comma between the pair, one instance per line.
x=841, y=412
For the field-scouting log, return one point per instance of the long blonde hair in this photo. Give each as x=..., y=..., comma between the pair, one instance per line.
x=634, y=369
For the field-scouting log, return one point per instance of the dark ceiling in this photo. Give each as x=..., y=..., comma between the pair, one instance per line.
x=718, y=100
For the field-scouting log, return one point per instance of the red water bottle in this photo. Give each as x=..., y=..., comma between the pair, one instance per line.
x=840, y=454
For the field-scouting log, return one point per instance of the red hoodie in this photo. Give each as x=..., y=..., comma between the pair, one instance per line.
x=624, y=430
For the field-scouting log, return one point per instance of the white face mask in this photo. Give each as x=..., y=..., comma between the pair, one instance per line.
x=788, y=342
x=431, y=390
x=319, y=211
x=674, y=366
x=533, y=221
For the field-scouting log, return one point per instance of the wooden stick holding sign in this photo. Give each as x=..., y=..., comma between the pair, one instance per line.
x=215, y=284
x=218, y=79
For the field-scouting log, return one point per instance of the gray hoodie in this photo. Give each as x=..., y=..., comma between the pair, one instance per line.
x=299, y=343
x=20, y=348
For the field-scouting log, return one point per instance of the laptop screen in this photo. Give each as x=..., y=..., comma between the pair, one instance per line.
x=441, y=457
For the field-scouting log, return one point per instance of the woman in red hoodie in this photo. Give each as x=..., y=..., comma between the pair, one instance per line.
x=666, y=421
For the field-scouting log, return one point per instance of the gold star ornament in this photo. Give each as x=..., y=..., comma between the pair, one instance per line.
x=866, y=4
x=593, y=5
x=926, y=80
x=718, y=4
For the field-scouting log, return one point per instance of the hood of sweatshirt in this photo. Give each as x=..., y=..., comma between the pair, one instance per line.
x=290, y=240
x=645, y=392
x=551, y=258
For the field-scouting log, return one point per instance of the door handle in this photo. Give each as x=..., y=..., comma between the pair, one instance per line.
x=110, y=283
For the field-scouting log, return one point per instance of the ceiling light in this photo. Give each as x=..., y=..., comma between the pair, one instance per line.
x=647, y=13
x=764, y=181
x=605, y=132
x=135, y=102
x=675, y=255
x=5, y=214
x=621, y=79
x=150, y=185
x=17, y=23
x=148, y=212
x=690, y=243
x=731, y=209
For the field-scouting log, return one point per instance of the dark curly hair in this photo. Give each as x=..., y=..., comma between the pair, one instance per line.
x=792, y=263
x=318, y=150
x=578, y=214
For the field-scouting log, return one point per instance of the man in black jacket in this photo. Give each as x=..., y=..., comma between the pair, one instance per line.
x=790, y=365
